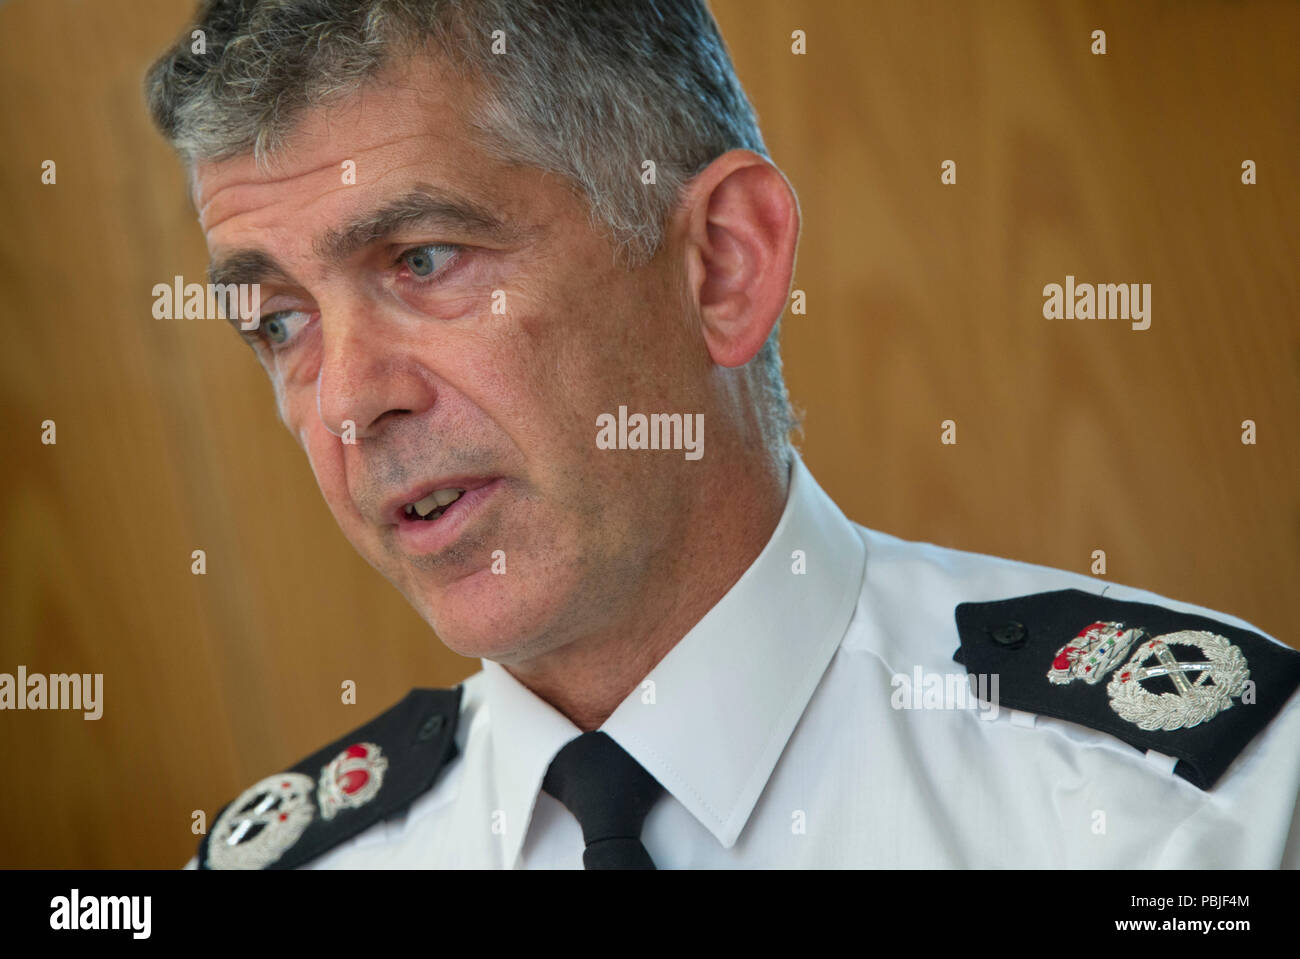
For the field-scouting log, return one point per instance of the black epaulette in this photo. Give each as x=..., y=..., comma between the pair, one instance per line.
x=372, y=773
x=1185, y=686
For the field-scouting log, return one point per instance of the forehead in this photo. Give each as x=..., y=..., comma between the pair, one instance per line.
x=408, y=123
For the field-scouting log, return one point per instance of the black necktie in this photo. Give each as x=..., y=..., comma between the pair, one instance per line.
x=609, y=793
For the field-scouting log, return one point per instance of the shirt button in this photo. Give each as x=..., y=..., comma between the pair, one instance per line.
x=1010, y=634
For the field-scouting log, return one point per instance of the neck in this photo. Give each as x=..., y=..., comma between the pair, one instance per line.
x=588, y=678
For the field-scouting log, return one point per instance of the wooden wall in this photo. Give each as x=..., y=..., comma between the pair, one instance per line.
x=924, y=304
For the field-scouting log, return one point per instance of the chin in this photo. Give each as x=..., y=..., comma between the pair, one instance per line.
x=486, y=616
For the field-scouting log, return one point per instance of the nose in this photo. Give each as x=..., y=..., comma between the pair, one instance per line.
x=368, y=374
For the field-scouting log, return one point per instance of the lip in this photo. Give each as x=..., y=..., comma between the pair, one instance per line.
x=422, y=537
x=395, y=508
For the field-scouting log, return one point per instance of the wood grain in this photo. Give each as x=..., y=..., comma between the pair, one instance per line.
x=924, y=302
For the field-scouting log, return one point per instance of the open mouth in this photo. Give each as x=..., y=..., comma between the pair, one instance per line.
x=432, y=506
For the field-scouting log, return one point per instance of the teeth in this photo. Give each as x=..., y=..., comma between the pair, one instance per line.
x=435, y=500
x=445, y=497
x=426, y=506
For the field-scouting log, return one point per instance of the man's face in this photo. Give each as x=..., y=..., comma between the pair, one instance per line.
x=472, y=343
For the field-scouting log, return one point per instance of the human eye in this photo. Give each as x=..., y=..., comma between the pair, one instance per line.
x=278, y=329
x=429, y=259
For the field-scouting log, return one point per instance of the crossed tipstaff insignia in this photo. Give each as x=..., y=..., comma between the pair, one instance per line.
x=1204, y=687
x=266, y=819
x=259, y=827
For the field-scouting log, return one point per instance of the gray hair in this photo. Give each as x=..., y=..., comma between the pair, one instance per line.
x=589, y=90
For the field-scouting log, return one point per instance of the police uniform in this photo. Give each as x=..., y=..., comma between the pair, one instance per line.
x=854, y=700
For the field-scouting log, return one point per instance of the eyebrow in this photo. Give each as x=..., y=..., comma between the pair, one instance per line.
x=246, y=266
x=425, y=205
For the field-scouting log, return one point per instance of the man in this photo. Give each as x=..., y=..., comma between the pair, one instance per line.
x=521, y=267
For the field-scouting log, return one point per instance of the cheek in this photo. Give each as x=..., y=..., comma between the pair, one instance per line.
x=568, y=339
x=514, y=370
x=323, y=449
x=326, y=458
x=297, y=406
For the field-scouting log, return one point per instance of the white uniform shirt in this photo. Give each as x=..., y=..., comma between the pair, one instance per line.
x=772, y=727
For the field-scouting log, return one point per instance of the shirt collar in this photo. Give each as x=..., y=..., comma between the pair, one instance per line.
x=712, y=718
x=526, y=733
